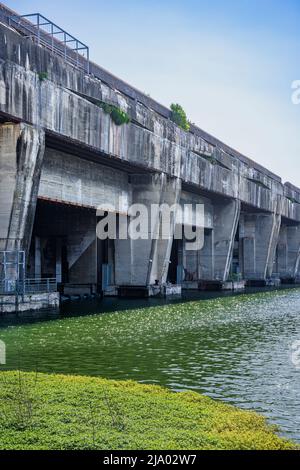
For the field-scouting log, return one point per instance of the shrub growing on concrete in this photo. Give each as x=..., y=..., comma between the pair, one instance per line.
x=43, y=76
x=178, y=116
x=118, y=116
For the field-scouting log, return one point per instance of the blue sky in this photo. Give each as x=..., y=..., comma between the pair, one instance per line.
x=229, y=63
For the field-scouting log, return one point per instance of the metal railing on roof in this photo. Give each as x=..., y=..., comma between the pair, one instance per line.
x=46, y=33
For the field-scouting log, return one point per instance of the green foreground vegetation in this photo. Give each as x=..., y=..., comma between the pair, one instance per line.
x=40, y=411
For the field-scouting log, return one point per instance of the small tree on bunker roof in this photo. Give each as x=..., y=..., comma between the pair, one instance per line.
x=179, y=116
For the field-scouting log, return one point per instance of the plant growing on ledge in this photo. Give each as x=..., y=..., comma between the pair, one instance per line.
x=118, y=116
x=178, y=116
x=43, y=76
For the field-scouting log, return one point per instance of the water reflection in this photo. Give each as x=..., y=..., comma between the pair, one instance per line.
x=234, y=348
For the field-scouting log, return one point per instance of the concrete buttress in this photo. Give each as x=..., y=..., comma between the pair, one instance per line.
x=226, y=219
x=140, y=262
x=21, y=157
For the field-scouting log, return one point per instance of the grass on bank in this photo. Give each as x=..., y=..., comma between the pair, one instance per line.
x=40, y=411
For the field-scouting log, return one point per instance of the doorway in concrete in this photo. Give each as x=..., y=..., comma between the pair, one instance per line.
x=236, y=272
x=175, y=272
x=63, y=246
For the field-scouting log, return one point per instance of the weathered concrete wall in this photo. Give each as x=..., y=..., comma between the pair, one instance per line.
x=291, y=202
x=142, y=261
x=69, y=179
x=147, y=161
x=39, y=59
x=187, y=198
x=258, y=236
x=81, y=246
x=61, y=227
x=226, y=219
x=12, y=303
x=65, y=105
x=288, y=251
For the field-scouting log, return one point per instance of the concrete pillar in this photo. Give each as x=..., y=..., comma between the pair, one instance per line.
x=142, y=262
x=82, y=249
x=58, y=260
x=37, y=258
x=258, y=237
x=281, y=253
x=288, y=251
x=198, y=264
x=161, y=249
x=21, y=157
x=191, y=262
x=293, y=258
x=226, y=219
x=206, y=257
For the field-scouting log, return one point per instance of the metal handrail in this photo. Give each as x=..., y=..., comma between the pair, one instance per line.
x=12, y=265
x=28, y=286
x=39, y=285
x=69, y=48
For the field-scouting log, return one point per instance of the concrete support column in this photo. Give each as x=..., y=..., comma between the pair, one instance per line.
x=58, y=260
x=21, y=157
x=258, y=237
x=206, y=257
x=293, y=259
x=288, y=251
x=81, y=249
x=191, y=264
x=281, y=254
x=198, y=264
x=226, y=219
x=161, y=248
x=37, y=258
x=144, y=261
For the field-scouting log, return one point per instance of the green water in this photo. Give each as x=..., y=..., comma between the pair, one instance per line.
x=237, y=349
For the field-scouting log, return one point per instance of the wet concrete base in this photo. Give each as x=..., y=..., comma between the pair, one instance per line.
x=23, y=303
x=142, y=292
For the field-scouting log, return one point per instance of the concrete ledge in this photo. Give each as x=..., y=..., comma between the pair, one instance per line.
x=288, y=280
x=256, y=283
x=110, y=291
x=14, y=303
x=136, y=292
x=210, y=285
x=273, y=282
x=168, y=290
x=190, y=285
x=221, y=285
x=234, y=285
x=78, y=289
x=173, y=290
